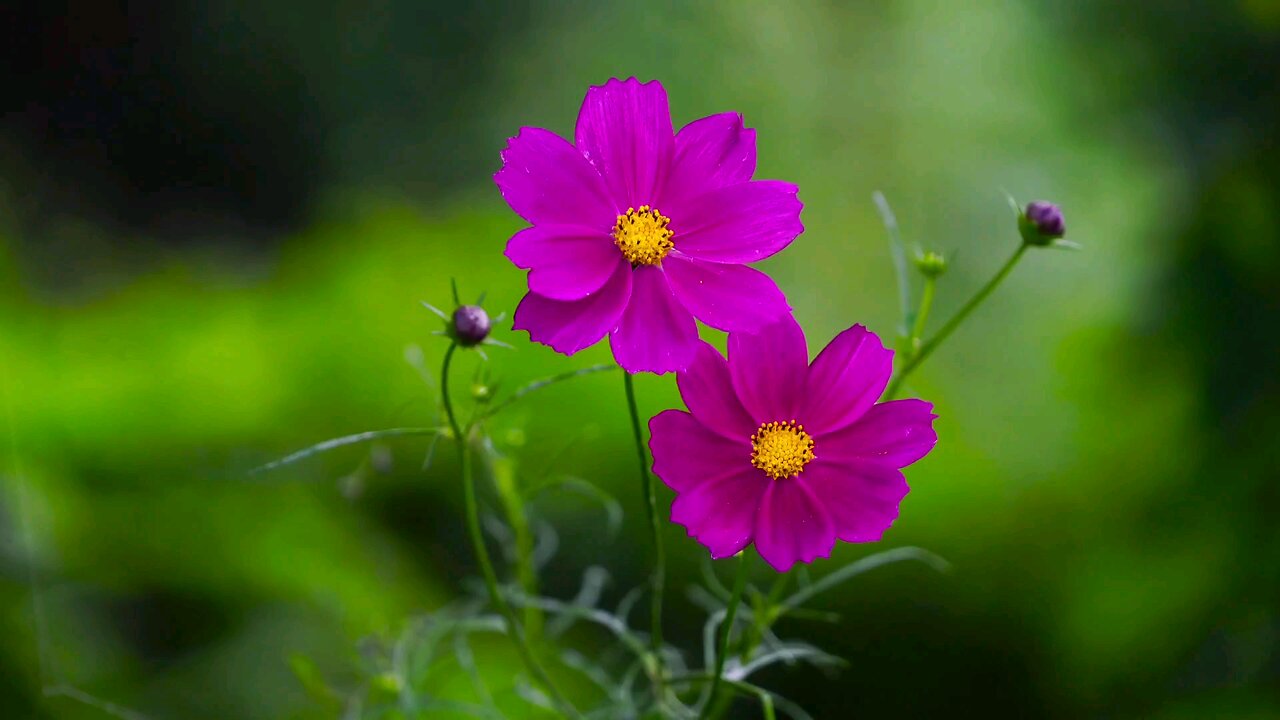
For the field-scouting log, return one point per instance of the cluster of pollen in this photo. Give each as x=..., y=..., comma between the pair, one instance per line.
x=781, y=449
x=642, y=235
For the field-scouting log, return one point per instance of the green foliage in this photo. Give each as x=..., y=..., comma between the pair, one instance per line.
x=1101, y=485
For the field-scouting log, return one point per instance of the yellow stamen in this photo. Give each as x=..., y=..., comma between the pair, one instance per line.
x=781, y=449
x=642, y=236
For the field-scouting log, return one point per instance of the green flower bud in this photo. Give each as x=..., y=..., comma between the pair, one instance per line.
x=931, y=264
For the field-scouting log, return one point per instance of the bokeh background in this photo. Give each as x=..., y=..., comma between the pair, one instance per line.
x=218, y=217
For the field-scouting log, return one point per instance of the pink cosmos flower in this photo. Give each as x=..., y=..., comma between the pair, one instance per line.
x=637, y=230
x=789, y=454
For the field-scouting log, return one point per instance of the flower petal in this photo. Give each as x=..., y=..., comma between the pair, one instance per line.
x=733, y=298
x=565, y=262
x=739, y=223
x=686, y=453
x=624, y=129
x=546, y=180
x=656, y=334
x=768, y=369
x=846, y=378
x=792, y=526
x=895, y=434
x=862, y=498
x=711, y=153
x=708, y=392
x=569, y=326
x=721, y=514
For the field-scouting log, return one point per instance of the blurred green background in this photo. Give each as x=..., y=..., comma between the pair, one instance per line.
x=218, y=217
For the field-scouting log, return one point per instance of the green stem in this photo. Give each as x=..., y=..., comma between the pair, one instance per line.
x=540, y=384
x=766, y=706
x=922, y=315
x=655, y=525
x=741, y=686
x=726, y=631
x=925, y=350
x=482, y=552
x=765, y=613
x=512, y=499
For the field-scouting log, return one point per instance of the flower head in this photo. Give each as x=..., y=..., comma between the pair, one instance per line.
x=1042, y=223
x=931, y=264
x=467, y=325
x=470, y=325
x=637, y=230
x=788, y=454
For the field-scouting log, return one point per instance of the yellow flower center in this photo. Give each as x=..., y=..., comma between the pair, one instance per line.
x=642, y=236
x=781, y=449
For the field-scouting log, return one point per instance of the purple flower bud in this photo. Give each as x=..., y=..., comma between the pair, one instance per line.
x=1042, y=223
x=470, y=325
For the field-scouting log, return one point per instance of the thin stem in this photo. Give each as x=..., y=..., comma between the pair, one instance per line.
x=343, y=442
x=512, y=499
x=922, y=314
x=540, y=384
x=482, y=552
x=655, y=526
x=870, y=562
x=745, y=688
x=726, y=631
x=766, y=706
x=765, y=612
x=925, y=350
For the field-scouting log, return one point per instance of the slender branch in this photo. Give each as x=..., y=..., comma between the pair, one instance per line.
x=512, y=498
x=482, y=552
x=105, y=706
x=655, y=526
x=765, y=612
x=766, y=698
x=540, y=384
x=343, y=442
x=870, y=562
x=922, y=315
x=919, y=357
x=727, y=630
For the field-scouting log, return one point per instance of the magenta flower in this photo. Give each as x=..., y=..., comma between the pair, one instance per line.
x=786, y=453
x=638, y=230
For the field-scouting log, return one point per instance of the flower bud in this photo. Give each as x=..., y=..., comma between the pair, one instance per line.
x=1041, y=223
x=470, y=325
x=931, y=264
